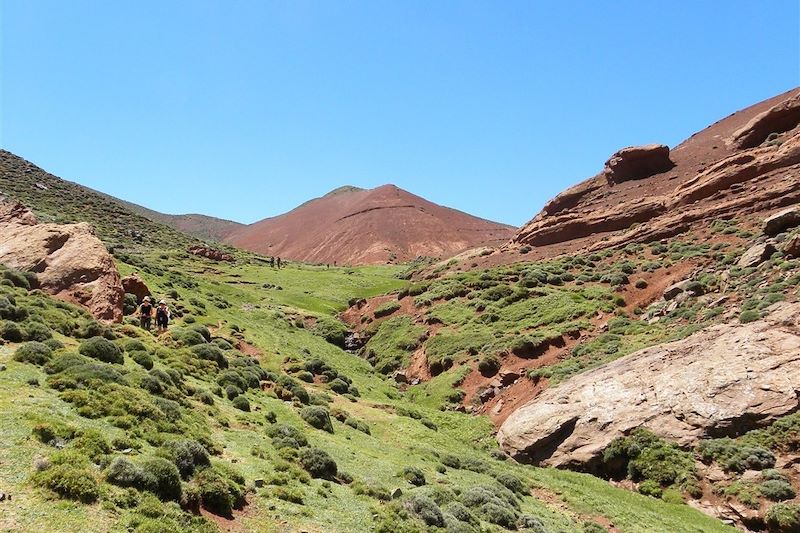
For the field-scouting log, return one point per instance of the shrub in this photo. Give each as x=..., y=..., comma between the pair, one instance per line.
x=413, y=475
x=499, y=514
x=331, y=330
x=10, y=331
x=735, y=456
x=650, y=488
x=92, y=444
x=640, y=284
x=54, y=344
x=69, y=481
x=512, y=483
x=783, y=517
x=36, y=331
x=221, y=489
x=749, y=315
x=166, y=478
x=489, y=365
x=318, y=463
x=339, y=386
x=317, y=417
x=18, y=279
x=284, y=436
x=134, y=346
x=451, y=461
x=123, y=473
x=241, y=403
x=34, y=353
x=777, y=490
x=187, y=337
x=426, y=509
x=210, y=352
x=143, y=359
x=101, y=349
x=187, y=455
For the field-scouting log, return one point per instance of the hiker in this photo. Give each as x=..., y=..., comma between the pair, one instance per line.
x=162, y=316
x=145, y=313
x=272, y=261
x=279, y=263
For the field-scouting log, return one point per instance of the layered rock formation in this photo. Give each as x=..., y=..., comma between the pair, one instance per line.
x=746, y=163
x=724, y=380
x=70, y=262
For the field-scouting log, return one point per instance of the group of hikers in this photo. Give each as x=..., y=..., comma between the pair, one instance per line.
x=272, y=261
x=161, y=312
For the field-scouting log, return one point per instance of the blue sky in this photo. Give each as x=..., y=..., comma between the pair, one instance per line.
x=245, y=109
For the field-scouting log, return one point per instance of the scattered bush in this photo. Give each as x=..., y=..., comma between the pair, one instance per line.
x=11, y=332
x=143, y=359
x=489, y=365
x=426, y=509
x=210, y=352
x=34, y=353
x=166, y=482
x=512, y=483
x=413, y=475
x=69, y=481
x=101, y=349
x=188, y=455
x=317, y=417
x=735, y=456
x=241, y=403
x=777, y=490
x=783, y=517
x=318, y=463
x=221, y=490
x=749, y=315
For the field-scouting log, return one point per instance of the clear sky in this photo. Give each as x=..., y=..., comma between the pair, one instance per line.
x=245, y=109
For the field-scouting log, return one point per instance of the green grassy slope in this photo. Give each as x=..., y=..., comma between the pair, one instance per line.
x=232, y=299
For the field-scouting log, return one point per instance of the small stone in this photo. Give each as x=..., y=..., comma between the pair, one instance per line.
x=397, y=493
x=258, y=483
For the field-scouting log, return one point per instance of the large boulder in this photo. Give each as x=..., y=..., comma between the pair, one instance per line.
x=133, y=284
x=69, y=260
x=15, y=212
x=756, y=254
x=724, y=380
x=637, y=162
x=782, y=220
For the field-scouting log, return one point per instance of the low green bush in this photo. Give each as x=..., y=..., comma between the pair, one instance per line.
x=317, y=417
x=489, y=365
x=166, y=478
x=426, y=509
x=735, y=456
x=101, y=349
x=34, y=353
x=188, y=455
x=777, y=490
x=142, y=358
x=241, y=403
x=318, y=463
x=783, y=517
x=210, y=352
x=413, y=475
x=69, y=481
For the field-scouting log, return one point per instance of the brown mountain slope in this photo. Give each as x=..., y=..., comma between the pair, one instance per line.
x=748, y=162
x=201, y=226
x=357, y=226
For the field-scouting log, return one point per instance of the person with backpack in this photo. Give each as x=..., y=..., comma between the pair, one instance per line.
x=145, y=313
x=162, y=316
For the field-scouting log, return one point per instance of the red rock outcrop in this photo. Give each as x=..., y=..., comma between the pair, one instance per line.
x=70, y=262
x=210, y=253
x=133, y=284
x=719, y=172
x=720, y=381
x=637, y=162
